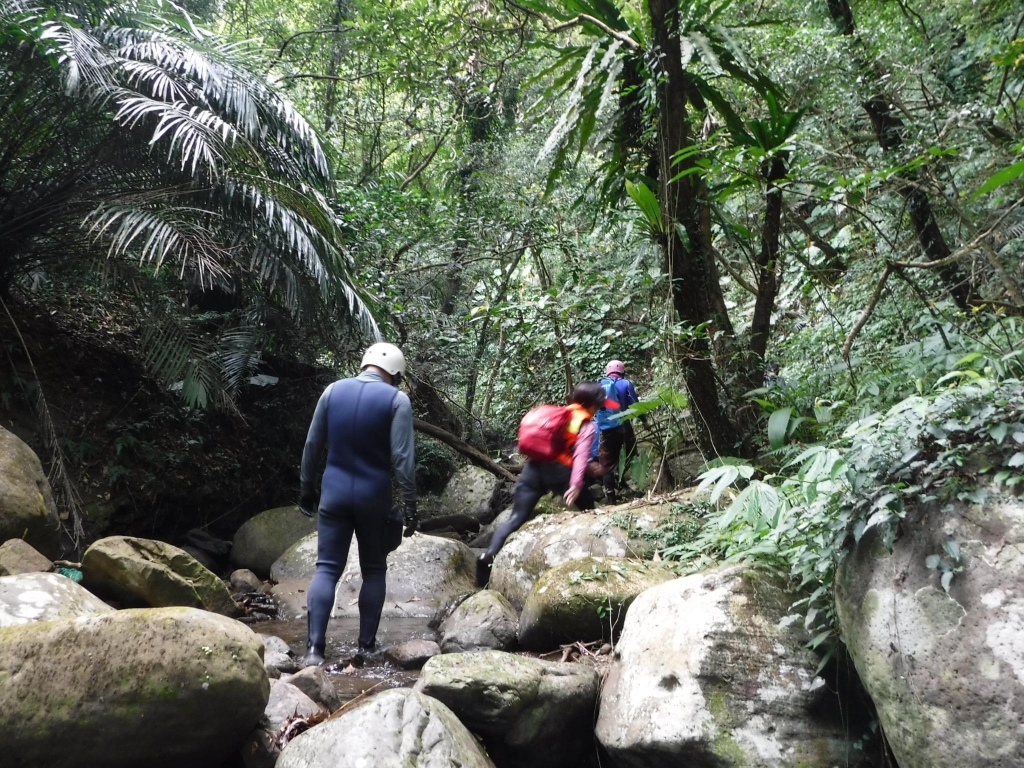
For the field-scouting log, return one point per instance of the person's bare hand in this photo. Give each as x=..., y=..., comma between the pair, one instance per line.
x=571, y=495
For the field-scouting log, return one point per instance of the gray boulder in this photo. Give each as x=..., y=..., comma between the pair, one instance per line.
x=412, y=654
x=483, y=539
x=472, y=491
x=32, y=597
x=315, y=683
x=484, y=621
x=706, y=673
x=585, y=599
x=945, y=670
x=139, y=572
x=531, y=713
x=264, y=538
x=245, y=581
x=26, y=503
x=161, y=687
x=286, y=702
x=395, y=728
x=18, y=556
x=548, y=541
x=424, y=573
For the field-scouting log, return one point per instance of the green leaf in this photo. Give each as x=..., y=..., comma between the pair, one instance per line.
x=648, y=204
x=947, y=579
x=932, y=562
x=1003, y=177
x=1017, y=460
x=777, y=425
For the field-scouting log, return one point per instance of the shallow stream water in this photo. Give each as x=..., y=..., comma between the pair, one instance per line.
x=376, y=674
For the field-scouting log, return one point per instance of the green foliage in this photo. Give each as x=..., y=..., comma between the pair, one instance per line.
x=941, y=447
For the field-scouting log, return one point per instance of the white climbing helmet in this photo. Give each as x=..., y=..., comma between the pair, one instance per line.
x=385, y=356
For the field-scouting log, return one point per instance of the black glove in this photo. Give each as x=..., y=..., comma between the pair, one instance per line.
x=412, y=520
x=307, y=502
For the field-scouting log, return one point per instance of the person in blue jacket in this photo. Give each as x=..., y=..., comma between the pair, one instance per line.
x=366, y=424
x=614, y=434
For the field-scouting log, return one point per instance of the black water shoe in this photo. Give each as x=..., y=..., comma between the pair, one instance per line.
x=483, y=570
x=313, y=658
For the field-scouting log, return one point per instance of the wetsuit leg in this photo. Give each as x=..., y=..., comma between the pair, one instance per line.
x=334, y=535
x=529, y=488
x=373, y=566
x=629, y=445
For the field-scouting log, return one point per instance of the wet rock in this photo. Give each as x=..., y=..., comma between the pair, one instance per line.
x=484, y=621
x=531, y=713
x=424, y=573
x=395, y=728
x=244, y=580
x=315, y=683
x=137, y=571
x=472, y=491
x=162, y=687
x=18, y=556
x=26, y=504
x=584, y=599
x=483, y=539
x=274, y=644
x=286, y=701
x=456, y=523
x=277, y=663
x=264, y=538
x=412, y=654
x=32, y=597
x=719, y=680
x=201, y=557
x=549, y=541
x=217, y=549
x=945, y=670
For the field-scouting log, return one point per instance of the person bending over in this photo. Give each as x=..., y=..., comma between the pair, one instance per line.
x=565, y=476
x=366, y=424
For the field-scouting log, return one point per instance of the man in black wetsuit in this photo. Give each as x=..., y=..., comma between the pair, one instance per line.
x=366, y=424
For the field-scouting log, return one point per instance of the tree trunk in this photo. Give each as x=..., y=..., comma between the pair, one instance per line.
x=499, y=357
x=767, y=281
x=890, y=133
x=687, y=263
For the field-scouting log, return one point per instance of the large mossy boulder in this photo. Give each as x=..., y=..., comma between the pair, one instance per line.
x=531, y=713
x=144, y=572
x=707, y=673
x=18, y=556
x=162, y=687
x=472, y=491
x=264, y=538
x=395, y=728
x=481, y=622
x=27, y=510
x=548, y=541
x=585, y=599
x=944, y=669
x=424, y=574
x=31, y=597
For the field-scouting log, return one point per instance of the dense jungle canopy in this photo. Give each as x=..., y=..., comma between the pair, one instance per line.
x=226, y=194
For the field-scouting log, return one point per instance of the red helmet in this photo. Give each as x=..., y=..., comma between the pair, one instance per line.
x=615, y=366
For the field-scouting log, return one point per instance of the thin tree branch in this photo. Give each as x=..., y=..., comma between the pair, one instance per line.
x=576, y=21
x=426, y=161
x=320, y=31
x=866, y=314
x=332, y=78
x=735, y=274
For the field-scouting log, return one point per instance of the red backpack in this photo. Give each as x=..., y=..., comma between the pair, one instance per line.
x=542, y=432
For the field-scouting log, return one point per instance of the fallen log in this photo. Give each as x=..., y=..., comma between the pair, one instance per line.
x=476, y=456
